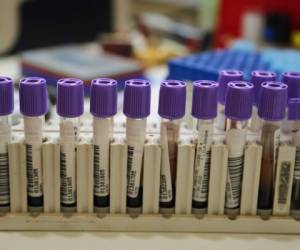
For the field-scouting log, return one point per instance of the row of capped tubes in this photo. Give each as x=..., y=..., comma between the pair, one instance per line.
x=69, y=125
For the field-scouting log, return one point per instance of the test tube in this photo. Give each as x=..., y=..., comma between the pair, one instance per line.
x=34, y=106
x=6, y=109
x=238, y=109
x=204, y=109
x=136, y=108
x=69, y=107
x=103, y=106
x=271, y=109
x=225, y=76
x=171, y=108
x=292, y=80
x=257, y=78
x=294, y=116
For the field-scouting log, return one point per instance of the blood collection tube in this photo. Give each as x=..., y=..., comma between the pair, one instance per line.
x=294, y=117
x=204, y=109
x=238, y=109
x=6, y=109
x=225, y=76
x=292, y=80
x=171, y=108
x=34, y=106
x=271, y=109
x=103, y=106
x=69, y=107
x=136, y=108
x=257, y=78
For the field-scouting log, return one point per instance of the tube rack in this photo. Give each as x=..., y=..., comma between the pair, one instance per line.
x=150, y=220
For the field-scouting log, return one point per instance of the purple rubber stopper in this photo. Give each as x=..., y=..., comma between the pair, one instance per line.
x=103, y=102
x=205, y=99
x=272, y=101
x=33, y=96
x=70, y=94
x=226, y=76
x=239, y=100
x=257, y=78
x=294, y=109
x=6, y=95
x=292, y=80
x=137, y=96
x=172, y=97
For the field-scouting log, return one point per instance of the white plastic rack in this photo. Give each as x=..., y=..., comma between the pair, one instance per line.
x=149, y=220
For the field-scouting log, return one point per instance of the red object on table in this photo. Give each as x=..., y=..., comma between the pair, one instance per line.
x=232, y=11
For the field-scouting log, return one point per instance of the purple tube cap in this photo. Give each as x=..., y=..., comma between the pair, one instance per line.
x=103, y=102
x=272, y=101
x=137, y=97
x=294, y=109
x=239, y=100
x=205, y=99
x=70, y=95
x=226, y=76
x=6, y=95
x=172, y=96
x=292, y=80
x=257, y=78
x=33, y=96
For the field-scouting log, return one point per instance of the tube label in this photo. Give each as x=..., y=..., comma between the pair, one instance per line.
x=235, y=140
x=4, y=182
x=275, y=148
x=34, y=170
x=101, y=171
x=202, y=163
x=102, y=136
x=256, y=122
x=5, y=136
x=135, y=138
x=296, y=181
x=166, y=191
x=69, y=131
x=297, y=164
x=33, y=127
x=68, y=176
x=284, y=182
x=221, y=119
x=296, y=142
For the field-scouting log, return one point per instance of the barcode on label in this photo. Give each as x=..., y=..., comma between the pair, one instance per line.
x=33, y=183
x=233, y=185
x=200, y=190
x=131, y=173
x=297, y=163
x=66, y=188
x=165, y=193
x=100, y=185
x=4, y=179
x=163, y=187
x=284, y=180
x=130, y=156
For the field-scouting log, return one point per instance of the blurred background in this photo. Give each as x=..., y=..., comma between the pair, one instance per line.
x=154, y=39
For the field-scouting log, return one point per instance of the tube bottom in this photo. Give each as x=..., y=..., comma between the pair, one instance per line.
x=68, y=209
x=134, y=210
x=101, y=210
x=199, y=210
x=167, y=211
x=264, y=213
x=4, y=208
x=295, y=213
x=232, y=212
